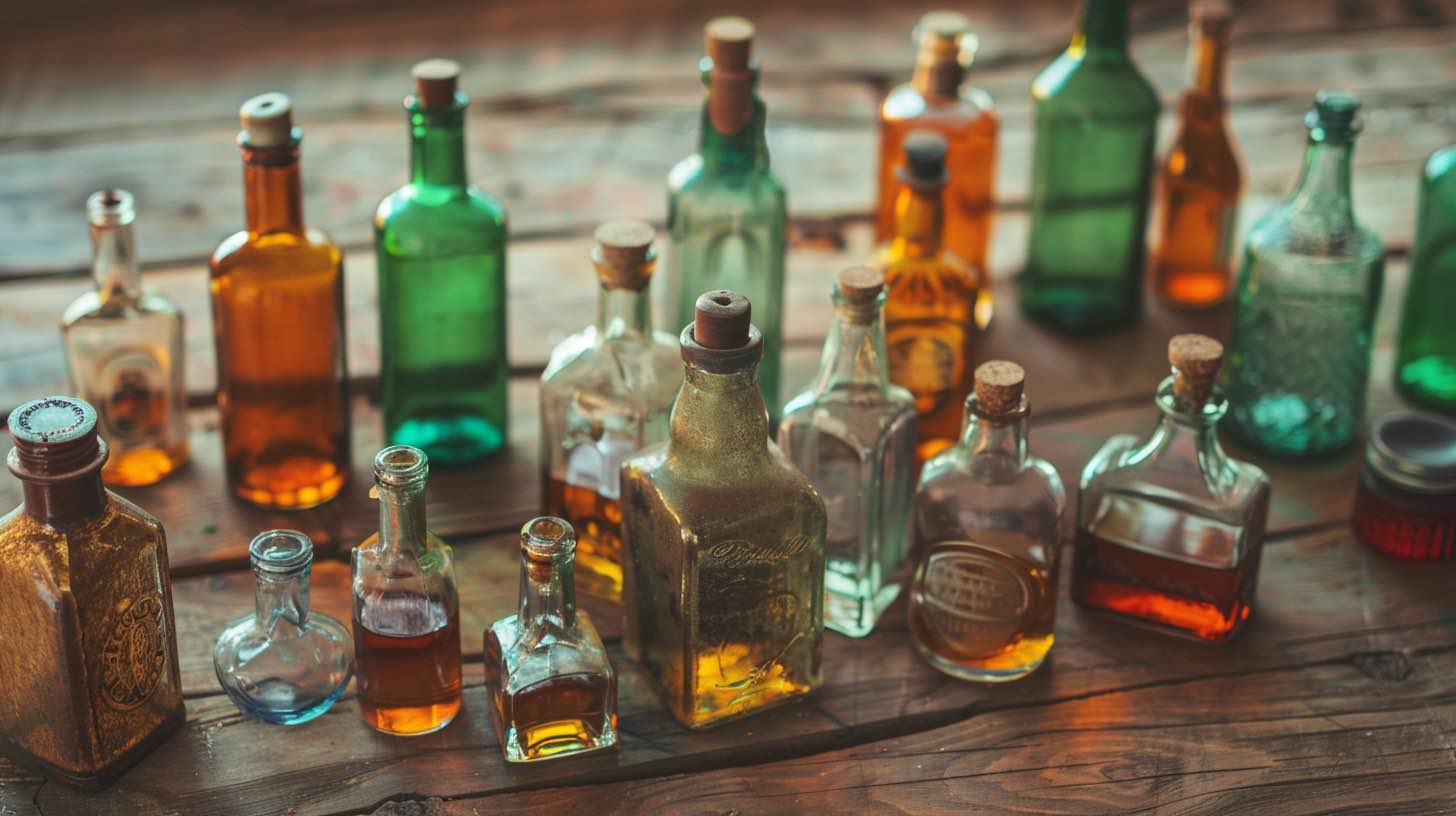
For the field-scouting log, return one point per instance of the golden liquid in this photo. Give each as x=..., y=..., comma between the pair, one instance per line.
x=732, y=680
x=408, y=685
x=142, y=466
x=598, y=524
x=1198, y=196
x=559, y=715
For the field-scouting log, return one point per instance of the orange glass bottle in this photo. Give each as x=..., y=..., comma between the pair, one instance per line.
x=937, y=99
x=1199, y=181
x=277, y=319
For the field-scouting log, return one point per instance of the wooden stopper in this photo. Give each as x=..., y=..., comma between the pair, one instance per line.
x=435, y=82
x=860, y=284
x=1195, y=359
x=623, y=254
x=730, y=95
x=999, y=384
x=721, y=319
x=1211, y=18
x=728, y=41
x=267, y=120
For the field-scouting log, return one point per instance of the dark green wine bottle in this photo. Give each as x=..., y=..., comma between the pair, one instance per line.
x=1425, y=358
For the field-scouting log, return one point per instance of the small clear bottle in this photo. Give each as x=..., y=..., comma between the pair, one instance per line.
x=406, y=608
x=124, y=353
x=553, y=690
x=853, y=434
x=283, y=664
x=988, y=521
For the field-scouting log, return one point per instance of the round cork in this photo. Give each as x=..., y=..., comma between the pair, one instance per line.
x=435, y=82
x=267, y=120
x=1195, y=359
x=721, y=320
x=924, y=159
x=623, y=254
x=860, y=284
x=1211, y=17
x=728, y=41
x=999, y=384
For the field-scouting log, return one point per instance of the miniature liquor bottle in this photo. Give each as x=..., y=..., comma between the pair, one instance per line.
x=1199, y=181
x=1307, y=298
x=278, y=325
x=552, y=688
x=935, y=305
x=1425, y=357
x=853, y=434
x=725, y=579
x=406, y=608
x=124, y=353
x=606, y=394
x=441, y=246
x=1092, y=155
x=726, y=211
x=937, y=98
x=988, y=522
x=89, y=655
x=1169, y=529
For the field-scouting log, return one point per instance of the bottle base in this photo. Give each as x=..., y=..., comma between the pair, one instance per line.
x=291, y=483
x=450, y=441
x=1162, y=613
x=557, y=740
x=1192, y=289
x=1284, y=426
x=1429, y=382
x=140, y=467
x=409, y=721
x=853, y=615
x=1014, y=663
x=98, y=778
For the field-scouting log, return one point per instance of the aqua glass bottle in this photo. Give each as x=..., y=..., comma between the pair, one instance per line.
x=441, y=245
x=1308, y=292
x=726, y=212
x=1425, y=358
x=1096, y=118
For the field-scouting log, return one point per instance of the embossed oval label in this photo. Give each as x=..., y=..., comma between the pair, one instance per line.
x=972, y=599
x=134, y=402
x=926, y=364
x=134, y=654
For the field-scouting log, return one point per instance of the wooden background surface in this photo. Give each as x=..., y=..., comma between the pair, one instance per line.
x=1341, y=697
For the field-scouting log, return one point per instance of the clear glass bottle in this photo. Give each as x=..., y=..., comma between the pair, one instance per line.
x=988, y=526
x=727, y=215
x=937, y=98
x=406, y=608
x=1425, y=356
x=278, y=327
x=725, y=574
x=124, y=353
x=1169, y=529
x=284, y=664
x=1092, y=157
x=1308, y=293
x=552, y=688
x=606, y=394
x=441, y=246
x=853, y=434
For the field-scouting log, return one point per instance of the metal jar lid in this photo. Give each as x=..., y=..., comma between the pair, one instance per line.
x=1414, y=451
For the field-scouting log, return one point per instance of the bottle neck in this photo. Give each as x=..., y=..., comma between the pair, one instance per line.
x=741, y=149
x=1324, y=180
x=272, y=191
x=1207, y=67
x=548, y=593
x=919, y=221
x=113, y=259
x=402, y=527
x=67, y=502
x=854, y=352
x=281, y=596
x=61, y=481
x=938, y=73
x=1103, y=29
x=1002, y=438
x=1188, y=433
x=719, y=424
x=623, y=312
x=437, y=146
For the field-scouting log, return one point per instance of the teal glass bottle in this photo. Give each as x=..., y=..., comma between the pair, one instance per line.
x=726, y=212
x=1425, y=357
x=441, y=246
x=1096, y=119
x=1308, y=292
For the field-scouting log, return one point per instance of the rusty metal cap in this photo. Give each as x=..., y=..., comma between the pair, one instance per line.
x=1415, y=451
x=55, y=438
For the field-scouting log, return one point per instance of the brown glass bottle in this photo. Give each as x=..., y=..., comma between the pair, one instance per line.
x=88, y=658
x=277, y=319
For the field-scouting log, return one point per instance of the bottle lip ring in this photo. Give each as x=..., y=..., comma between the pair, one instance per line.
x=400, y=466
x=1212, y=410
x=280, y=552
x=722, y=361
x=111, y=207
x=548, y=537
x=1416, y=451
x=1022, y=411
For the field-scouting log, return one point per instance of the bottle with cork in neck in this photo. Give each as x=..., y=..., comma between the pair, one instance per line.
x=440, y=243
x=278, y=320
x=724, y=582
x=853, y=434
x=983, y=601
x=1169, y=528
x=727, y=215
x=89, y=658
x=606, y=394
x=937, y=98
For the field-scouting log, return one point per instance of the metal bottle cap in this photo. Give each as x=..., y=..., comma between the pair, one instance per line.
x=1415, y=451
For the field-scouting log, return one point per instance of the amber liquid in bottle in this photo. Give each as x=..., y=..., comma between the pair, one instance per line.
x=598, y=523
x=566, y=711
x=409, y=685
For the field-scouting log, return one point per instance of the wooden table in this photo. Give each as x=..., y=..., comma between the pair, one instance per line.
x=1341, y=696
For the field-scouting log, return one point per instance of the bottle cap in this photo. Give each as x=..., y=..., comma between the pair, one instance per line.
x=999, y=384
x=54, y=437
x=924, y=159
x=728, y=42
x=280, y=552
x=1211, y=17
x=435, y=82
x=623, y=254
x=1415, y=451
x=1333, y=117
x=1195, y=359
x=111, y=208
x=267, y=120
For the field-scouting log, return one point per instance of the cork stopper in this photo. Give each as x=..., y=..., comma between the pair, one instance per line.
x=267, y=120
x=435, y=82
x=54, y=438
x=730, y=92
x=1211, y=18
x=924, y=159
x=728, y=42
x=721, y=320
x=999, y=384
x=859, y=289
x=623, y=254
x=1195, y=359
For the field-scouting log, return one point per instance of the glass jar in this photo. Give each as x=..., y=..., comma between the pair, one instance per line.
x=1405, y=501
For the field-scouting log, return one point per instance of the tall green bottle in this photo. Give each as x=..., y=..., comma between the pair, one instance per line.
x=1096, y=118
x=441, y=245
x=726, y=212
x=1425, y=358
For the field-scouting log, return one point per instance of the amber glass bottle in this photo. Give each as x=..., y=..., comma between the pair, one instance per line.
x=1199, y=182
x=88, y=658
x=936, y=98
x=278, y=326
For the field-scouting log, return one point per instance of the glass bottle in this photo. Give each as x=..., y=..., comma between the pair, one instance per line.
x=1199, y=181
x=278, y=325
x=124, y=353
x=1092, y=156
x=938, y=99
x=1169, y=529
x=552, y=688
x=935, y=302
x=853, y=434
x=725, y=580
x=606, y=394
x=1425, y=357
x=1405, y=500
x=726, y=211
x=406, y=609
x=88, y=658
x=988, y=522
x=441, y=245
x=1308, y=294
x=284, y=664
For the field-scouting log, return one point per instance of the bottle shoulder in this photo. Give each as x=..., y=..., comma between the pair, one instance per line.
x=971, y=109
x=276, y=252
x=1086, y=87
x=694, y=184
x=426, y=208
x=585, y=362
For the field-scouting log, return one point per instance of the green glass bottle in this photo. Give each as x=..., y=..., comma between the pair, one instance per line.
x=1425, y=358
x=726, y=212
x=441, y=245
x=1096, y=118
x=1308, y=292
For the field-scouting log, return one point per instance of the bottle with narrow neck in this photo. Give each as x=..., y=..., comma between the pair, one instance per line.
x=1425, y=357
x=1102, y=30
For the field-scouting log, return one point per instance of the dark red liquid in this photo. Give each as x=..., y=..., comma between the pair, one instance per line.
x=1403, y=524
